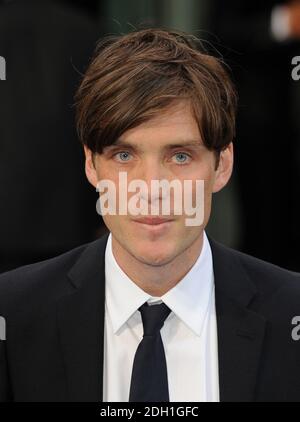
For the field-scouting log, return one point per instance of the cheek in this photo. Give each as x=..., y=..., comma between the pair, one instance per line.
x=208, y=176
x=115, y=224
x=104, y=173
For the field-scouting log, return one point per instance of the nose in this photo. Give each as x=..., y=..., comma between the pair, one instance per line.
x=150, y=170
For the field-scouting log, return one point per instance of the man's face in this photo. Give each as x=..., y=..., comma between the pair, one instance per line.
x=156, y=150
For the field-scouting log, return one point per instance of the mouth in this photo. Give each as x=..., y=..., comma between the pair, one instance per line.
x=154, y=226
x=153, y=221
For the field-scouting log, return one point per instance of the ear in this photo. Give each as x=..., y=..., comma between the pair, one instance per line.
x=224, y=169
x=90, y=169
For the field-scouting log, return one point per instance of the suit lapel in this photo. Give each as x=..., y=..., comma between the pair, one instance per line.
x=240, y=330
x=80, y=316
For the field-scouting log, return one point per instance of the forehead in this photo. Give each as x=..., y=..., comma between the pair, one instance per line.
x=175, y=125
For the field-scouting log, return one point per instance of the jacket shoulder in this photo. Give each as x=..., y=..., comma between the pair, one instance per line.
x=38, y=282
x=269, y=279
x=263, y=272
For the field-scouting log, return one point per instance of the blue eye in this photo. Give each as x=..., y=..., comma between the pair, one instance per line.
x=182, y=155
x=123, y=154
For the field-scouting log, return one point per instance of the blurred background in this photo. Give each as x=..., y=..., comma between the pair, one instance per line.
x=47, y=206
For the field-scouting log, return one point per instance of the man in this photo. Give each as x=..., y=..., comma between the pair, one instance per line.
x=154, y=310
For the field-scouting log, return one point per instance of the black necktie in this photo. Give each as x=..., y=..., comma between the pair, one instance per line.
x=149, y=380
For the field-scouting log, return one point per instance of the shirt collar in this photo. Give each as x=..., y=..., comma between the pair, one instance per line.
x=189, y=300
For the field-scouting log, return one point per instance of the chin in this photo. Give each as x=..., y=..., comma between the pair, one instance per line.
x=154, y=254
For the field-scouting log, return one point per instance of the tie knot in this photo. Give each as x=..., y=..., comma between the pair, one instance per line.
x=153, y=317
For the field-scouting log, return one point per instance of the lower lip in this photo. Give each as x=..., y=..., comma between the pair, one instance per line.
x=154, y=227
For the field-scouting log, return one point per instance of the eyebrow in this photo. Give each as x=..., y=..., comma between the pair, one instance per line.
x=181, y=144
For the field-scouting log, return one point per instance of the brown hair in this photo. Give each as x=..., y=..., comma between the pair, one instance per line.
x=133, y=77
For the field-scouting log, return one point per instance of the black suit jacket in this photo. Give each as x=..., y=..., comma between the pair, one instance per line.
x=54, y=313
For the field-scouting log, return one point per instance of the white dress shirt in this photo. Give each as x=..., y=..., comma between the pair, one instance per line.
x=189, y=333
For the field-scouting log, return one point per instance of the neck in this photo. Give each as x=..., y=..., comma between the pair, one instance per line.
x=157, y=280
